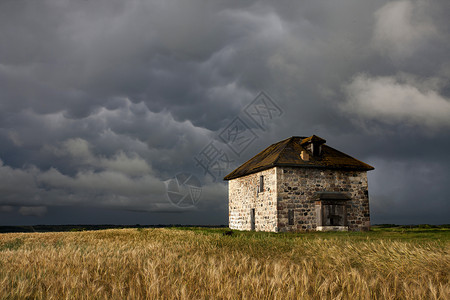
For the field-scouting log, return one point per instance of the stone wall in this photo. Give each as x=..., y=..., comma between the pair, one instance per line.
x=295, y=200
x=244, y=196
x=297, y=188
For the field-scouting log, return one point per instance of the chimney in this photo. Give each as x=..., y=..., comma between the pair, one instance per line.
x=313, y=144
x=316, y=148
x=304, y=155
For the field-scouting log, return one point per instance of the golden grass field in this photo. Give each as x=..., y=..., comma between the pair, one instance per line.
x=205, y=264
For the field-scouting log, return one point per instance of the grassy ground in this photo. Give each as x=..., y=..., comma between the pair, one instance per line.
x=202, y=263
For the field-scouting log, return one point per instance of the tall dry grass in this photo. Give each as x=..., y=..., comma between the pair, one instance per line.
x=182, y=264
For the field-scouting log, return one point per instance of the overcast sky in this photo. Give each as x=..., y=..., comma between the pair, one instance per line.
x=104, y=102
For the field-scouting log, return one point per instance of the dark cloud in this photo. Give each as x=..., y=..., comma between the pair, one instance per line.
x=101, y=102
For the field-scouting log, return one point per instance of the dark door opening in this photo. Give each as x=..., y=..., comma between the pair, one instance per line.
x=334, y=215
x=252, y=219
x=331, y=211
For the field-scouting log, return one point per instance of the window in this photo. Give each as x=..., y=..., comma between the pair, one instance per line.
x=291, y=217
x=261, y=184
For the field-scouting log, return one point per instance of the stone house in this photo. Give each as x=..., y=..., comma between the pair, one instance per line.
x=299, y=184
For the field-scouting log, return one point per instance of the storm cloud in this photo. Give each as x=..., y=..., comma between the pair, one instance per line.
x=102, y=102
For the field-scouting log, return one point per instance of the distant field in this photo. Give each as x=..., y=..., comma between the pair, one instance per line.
x=202, y=263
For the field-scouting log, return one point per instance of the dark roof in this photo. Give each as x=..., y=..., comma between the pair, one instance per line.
x=287, y=153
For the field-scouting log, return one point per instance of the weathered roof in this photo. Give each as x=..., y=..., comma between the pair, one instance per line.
x=287, y=153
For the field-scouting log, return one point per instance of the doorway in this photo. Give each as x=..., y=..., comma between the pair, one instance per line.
x=252, y=219
x=333, y=214
x=331, y=211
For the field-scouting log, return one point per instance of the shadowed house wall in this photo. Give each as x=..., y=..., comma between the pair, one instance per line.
x=299, y=189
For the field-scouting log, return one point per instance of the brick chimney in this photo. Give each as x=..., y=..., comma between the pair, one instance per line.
x=304, y=155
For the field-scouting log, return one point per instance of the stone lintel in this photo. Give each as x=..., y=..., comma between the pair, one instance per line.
x=332, y=196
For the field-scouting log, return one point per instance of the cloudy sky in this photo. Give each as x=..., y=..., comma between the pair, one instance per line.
x=104, y=102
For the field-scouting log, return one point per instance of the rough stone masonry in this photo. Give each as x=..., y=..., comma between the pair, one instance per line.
x=299, y=184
